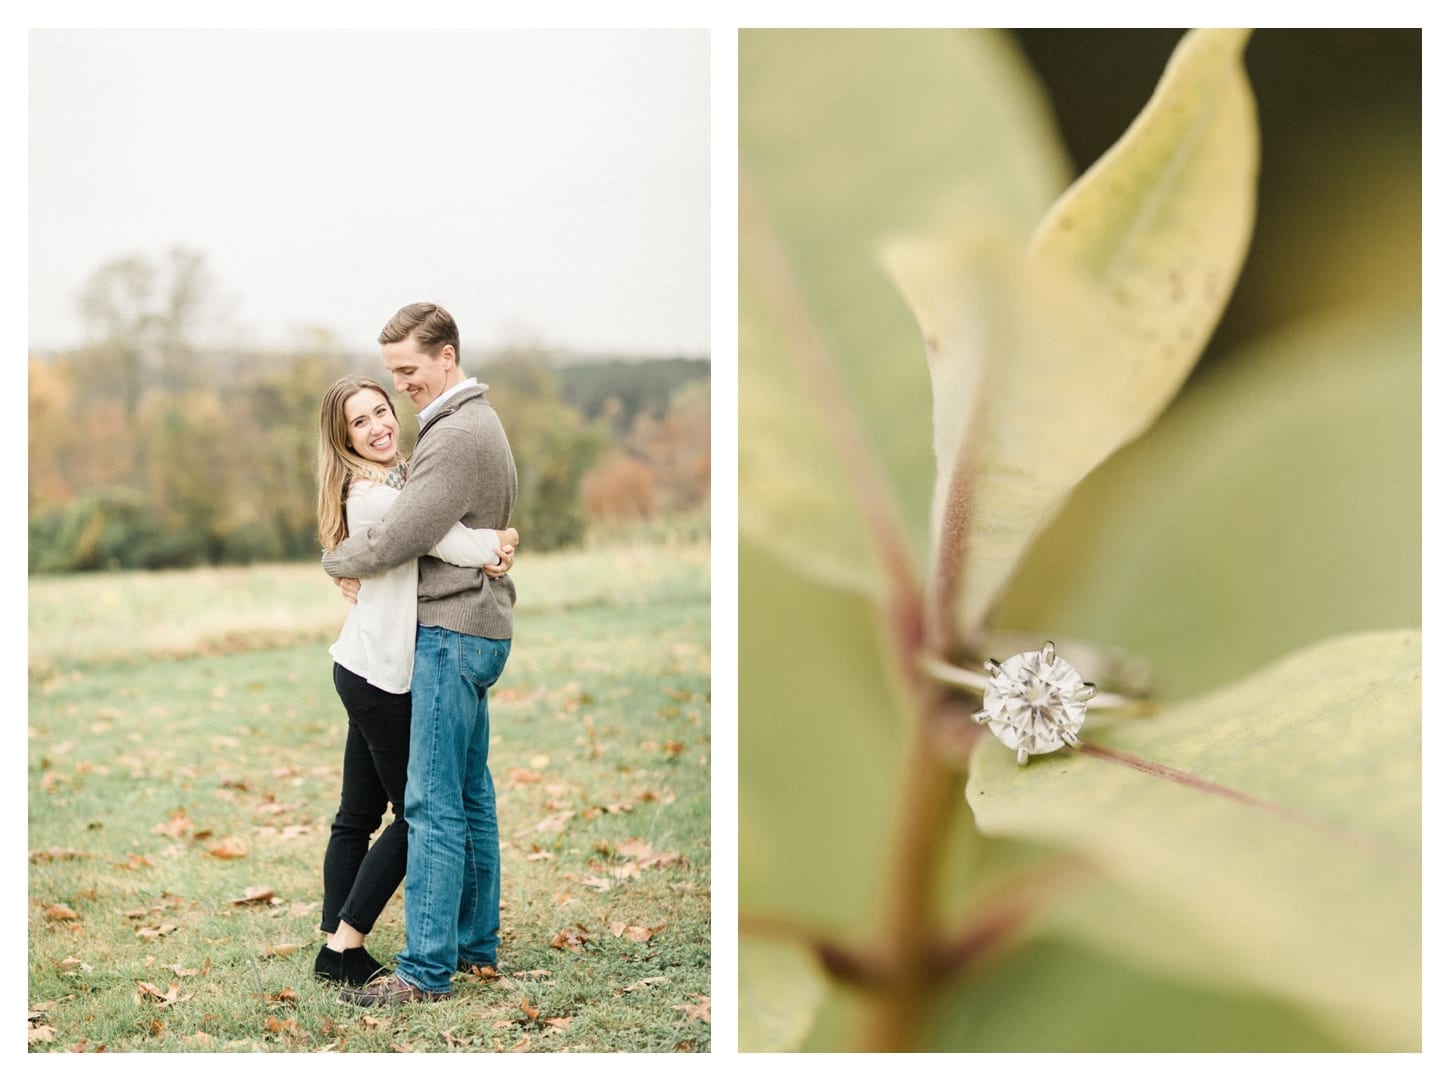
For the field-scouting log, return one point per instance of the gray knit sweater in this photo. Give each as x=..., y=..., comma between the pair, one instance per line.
x=462, y=470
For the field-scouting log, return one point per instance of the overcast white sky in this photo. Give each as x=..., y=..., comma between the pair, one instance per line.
x=546, y=186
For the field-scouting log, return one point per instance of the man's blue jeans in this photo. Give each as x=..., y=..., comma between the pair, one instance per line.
x=451, y=893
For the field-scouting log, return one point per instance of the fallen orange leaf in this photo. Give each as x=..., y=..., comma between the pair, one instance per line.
x=700, y=1011
x=179, y=825
x=228, y=848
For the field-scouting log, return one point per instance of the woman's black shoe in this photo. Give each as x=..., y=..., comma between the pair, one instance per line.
x=354, y=967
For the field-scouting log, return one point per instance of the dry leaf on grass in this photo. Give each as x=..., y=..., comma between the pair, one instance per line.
x=554, y=823
x=633, y=933
x=178, y=825
x=640, y=985
x=255, y=895
x=49, y=854
x=571, y=938
x=149, y=992
x=591, y=813
x=60, y=912
x=285, y=1027
x=699, y=1011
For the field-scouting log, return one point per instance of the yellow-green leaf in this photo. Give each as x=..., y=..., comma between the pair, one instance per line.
x=1276, y=503
x=1058, y=996
x=1277, y=821
x=1046, y=360
x=781, y=989
x=847, y=137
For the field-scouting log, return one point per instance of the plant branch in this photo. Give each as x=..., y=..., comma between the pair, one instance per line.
x=994, y=924
x=931, y=794
x=843, y=962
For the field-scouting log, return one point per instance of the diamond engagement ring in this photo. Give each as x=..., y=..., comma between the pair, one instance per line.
x=1035, y=702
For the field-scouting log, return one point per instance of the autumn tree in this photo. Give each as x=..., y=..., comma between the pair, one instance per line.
x=552, y=447
x=662, y=465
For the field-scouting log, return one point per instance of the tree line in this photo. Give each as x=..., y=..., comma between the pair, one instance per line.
x=149, y=451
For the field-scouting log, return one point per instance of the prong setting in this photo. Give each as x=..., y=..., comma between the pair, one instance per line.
x=1034, y=702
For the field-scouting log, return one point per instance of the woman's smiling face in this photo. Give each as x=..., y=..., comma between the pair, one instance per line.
x=372, y=426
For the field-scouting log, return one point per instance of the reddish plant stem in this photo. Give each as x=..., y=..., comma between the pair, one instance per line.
x=909, y=967
x=931, y=790
x=842, y=962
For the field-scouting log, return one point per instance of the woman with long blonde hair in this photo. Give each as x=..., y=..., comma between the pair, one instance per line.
x=360, y=471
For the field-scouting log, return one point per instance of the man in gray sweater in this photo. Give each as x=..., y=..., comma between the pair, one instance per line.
x=462, y=469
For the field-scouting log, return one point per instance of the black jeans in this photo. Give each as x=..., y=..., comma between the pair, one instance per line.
x=358, y=880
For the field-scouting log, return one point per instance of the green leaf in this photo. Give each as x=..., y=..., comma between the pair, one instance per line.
x=1278, y=820
x=1057, y=996
x=1045, y=361
x=781, y=989
x=824, y=742
x=1275, y=504
x=847, y=137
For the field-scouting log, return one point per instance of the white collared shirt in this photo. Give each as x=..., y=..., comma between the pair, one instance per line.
x=429, y=411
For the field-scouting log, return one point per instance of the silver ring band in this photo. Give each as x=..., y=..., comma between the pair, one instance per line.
x=1122, y=679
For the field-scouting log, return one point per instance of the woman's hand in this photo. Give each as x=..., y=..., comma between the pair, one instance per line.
x=508, y=539
x=505, y=560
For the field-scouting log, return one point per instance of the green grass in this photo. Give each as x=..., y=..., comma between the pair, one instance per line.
x=175, y=772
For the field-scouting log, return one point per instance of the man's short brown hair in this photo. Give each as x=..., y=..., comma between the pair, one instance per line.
x=430, y=324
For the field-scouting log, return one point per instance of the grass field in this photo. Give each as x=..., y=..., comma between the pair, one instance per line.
x=184, y=764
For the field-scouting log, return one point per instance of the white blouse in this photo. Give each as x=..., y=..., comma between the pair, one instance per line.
x=376, y=641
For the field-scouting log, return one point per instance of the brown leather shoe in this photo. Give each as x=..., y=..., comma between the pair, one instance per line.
x=389, y=990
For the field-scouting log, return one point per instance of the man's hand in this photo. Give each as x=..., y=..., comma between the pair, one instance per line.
x=349, y=587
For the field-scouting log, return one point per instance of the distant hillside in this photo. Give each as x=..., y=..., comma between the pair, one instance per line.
x=638, y=386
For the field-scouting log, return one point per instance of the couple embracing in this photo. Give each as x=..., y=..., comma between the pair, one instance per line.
x=428, y=635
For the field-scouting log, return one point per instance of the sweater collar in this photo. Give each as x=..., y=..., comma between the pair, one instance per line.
x=433, y=408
